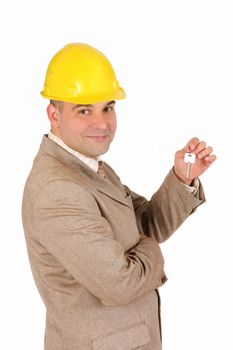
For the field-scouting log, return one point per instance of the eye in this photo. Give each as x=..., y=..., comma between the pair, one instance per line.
x=84, y=111
x=109, y=108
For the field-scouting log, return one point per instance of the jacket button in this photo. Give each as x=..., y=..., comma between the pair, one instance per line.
x=164, y=279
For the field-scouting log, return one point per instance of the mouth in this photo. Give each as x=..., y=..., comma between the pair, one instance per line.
x=98, y=138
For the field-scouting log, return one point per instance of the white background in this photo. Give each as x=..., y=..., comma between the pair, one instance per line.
x=175, y=61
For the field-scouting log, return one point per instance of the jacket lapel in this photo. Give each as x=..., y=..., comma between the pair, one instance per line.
x=110, y=185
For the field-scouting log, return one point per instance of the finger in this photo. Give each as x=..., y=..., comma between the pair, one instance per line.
x=191, y=145
x=200, y=147
x=205, y=152
x=210, y=159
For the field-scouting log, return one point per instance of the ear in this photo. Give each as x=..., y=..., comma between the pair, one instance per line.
x=53, y=115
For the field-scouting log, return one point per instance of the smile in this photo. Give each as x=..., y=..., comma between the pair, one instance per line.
x=98, y=138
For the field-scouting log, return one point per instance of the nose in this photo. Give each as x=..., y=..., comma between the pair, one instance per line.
x=99, y=121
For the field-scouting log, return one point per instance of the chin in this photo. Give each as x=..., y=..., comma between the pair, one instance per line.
x=101, y=152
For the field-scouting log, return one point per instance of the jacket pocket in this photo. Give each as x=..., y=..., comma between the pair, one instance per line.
x=128, y=338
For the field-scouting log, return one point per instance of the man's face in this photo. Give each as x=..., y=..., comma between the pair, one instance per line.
x=88, y=129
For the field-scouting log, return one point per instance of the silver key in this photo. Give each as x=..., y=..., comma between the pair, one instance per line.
x=189, y=158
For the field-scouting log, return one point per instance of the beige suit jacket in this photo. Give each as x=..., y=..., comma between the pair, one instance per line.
x=96, y=278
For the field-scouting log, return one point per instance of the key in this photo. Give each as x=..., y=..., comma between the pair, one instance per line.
x=189, y=158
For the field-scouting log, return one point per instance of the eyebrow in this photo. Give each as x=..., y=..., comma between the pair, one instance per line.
x=90, y=105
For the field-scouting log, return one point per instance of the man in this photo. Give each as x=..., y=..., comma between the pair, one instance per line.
x=93, y=243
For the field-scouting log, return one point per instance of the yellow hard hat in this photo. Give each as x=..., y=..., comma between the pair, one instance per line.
x=79, y=73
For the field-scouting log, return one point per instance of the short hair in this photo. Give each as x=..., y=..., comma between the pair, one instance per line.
x=57, y=104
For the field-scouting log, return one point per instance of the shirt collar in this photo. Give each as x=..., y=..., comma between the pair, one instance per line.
x=91, y=162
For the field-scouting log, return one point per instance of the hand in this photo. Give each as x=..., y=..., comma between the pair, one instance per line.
x=204, y=159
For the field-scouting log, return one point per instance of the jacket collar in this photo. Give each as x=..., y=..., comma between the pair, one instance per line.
x=110, y=185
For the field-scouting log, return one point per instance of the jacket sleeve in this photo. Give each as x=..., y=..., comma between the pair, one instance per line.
x=71, y=228
x=168, y=208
